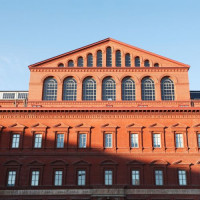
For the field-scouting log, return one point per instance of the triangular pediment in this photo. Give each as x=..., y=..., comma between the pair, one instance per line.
x=135, y=162
x=58, y=163
x=39, y=127
x=1, y=127
x=134, y=127
x=83, y=125
x=179, y=126
x=196, y=127
x=12, y=163
x=16, y=127
x=115, y=45
x=81, y=163
x=61, y=125
x=109, y=126
x=108, y=162
x=180, y=162
x=159, y=162
x=156, y=127
x=36, y=163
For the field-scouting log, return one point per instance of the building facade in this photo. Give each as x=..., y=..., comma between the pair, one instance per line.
x=105, y=121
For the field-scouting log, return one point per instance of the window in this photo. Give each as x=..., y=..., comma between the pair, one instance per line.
x=137, y=61
x=69, y=89
x=35, y=178
x=148, y=89
x=61, y=65
x=11, y=178
x=82, y=140
x=108, y=57
x=70, y=63
x=146, y=63
x=135, y=177
x=58, y=176
x=108, y=177
x=38, y=141
x=60, y=140
x=198, y=138
x=50, y=89
x=15, y=140
x=128, y=89
x=127, y=60
x=80, y=61
x=109, y=89
x=89, y=89
x=99, y=58
x=156, y=140
x=81, y=177
x=118, y=58
x=89, y=60
x=167, y=89
x=179, y=140
x=158, y=177
x=108, y=140
x=134, y=140
x=156, y=65
x=182, y=177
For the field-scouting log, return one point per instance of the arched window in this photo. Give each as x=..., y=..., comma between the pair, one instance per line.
x=118, y=58
x=50, y=89
x=156, y=65
x=109, y=89
x=108, y=57
x=69, y=89
x=80, y=61
x=128, y=89
x=146, y=63
x=99, y=58
x=127, y=60
x=70, y=63
x=61, y=65
x=167, y=89
x=148, y=89
x=89, y=89
x=137, y=61
x=89, y=60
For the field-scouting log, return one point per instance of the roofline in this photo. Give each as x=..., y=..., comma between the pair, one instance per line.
x=102, y=41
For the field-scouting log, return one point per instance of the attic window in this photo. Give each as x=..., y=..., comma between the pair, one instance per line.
x=146, y=63
x=80, y=62
x=70, y=63
x=61, y=65
x=156, y=65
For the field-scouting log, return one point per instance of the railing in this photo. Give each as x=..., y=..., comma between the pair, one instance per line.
x=13, y=95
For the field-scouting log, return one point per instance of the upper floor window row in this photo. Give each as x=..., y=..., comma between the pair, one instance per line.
x=89, y=88
x=109, y=62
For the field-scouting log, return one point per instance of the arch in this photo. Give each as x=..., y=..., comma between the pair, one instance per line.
x=147, y=63
x=156, y=64
x=167, y=89
x=69, y=89
x=60, y=65
x=70, y=63
x=128, y=89
x=89, y=89
x=99, y=58
x=108, y=89
x=80, y=61
x=118, y=58
x=50, y=89
x=89, y=60
x=108, y=57
x=12, y=163
x=108, y=162
x=127, y=60
x=137, y=61
x=148, y=89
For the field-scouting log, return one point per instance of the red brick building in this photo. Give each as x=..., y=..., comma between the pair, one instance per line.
x=105, y=121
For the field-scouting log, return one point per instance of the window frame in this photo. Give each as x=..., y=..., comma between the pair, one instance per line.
x=54, y=178
x=108, y=170
x=15, y=180
x=178, y=146
x=148, y=94
x=69, y=92
x=49, y=87
x=155, y=177
x=108, y=89
x=31, y=177
x=167, y=89
x=138, y=170
x=56, y=140
x=126, y=90
x=158, y=142
x=186, y=177
x=89, y=89
x=77, y=175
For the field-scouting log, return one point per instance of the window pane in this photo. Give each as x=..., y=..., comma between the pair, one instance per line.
x=70, y=63
x=38, y=141
x=35, y=178
x=158, y=177
x=199, y=140
x=99, y=58
x=89, y=89
x=127, y=60
x=118, y=58
x=108, y=57
x=58, y=178
x=182, y=177
x=82, y=140
x=179, y=140
x=50, y=89
x=11, y=178
x=167, y=89
x=108, y=177
x=81, y=177
x=15, y=140
x=156, y=141
x=69, y=89
x=146, y=63
x=108, y=140
x=60, y=141
x=128, y=89
x=137, y=61
x=134, y=141
x=148, y=89
x=90, y=60
x=156, y=65
x=109, y=89
x=135, y=177
x=80, y=62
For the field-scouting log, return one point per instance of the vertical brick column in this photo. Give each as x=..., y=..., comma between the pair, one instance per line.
x=59, y=91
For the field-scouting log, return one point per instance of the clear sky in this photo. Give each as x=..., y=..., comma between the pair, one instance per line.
x=34, y=30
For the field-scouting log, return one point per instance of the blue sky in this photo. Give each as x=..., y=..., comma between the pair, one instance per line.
x=34, y=30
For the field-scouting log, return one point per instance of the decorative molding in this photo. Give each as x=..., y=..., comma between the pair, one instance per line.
x=39, y=127
x=17, y=127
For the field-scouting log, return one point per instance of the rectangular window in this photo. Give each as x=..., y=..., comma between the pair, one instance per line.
x=15, y=140
x=35, y=178
x=182, y=177
x=135, y=177
x=108, y=177
x=58, y=178
x=38, y=141
x=156, y=141
x=81, y=177
x=60, y=141
x=11, y=178
x=158, y=177
x=179, y=140
x=108, y=140
x=82, y=140
x=198, y=140
x=134, y=141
